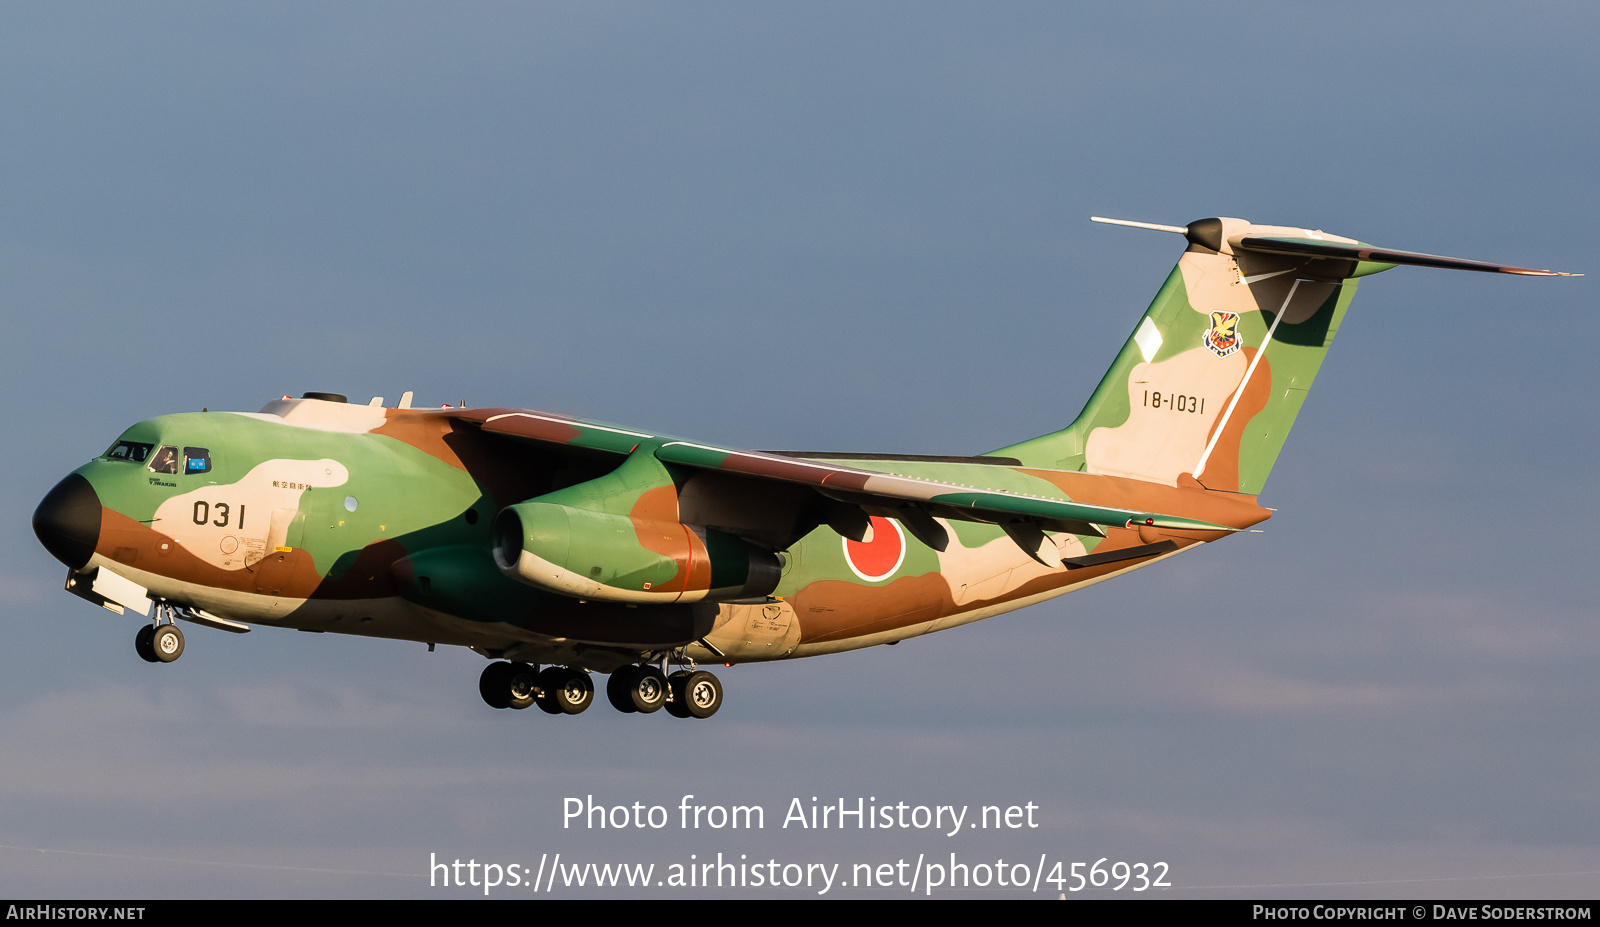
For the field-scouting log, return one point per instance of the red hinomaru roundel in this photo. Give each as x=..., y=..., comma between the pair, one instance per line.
x=880, y=554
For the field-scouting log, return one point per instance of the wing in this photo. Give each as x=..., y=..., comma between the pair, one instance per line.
x=559, y=430
x=763, y=496
x=871, y=488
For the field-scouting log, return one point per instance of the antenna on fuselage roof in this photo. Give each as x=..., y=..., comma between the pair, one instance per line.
x=377, y=401
x=405, y=400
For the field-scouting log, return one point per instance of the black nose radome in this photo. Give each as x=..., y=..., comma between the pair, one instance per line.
x=68, y=521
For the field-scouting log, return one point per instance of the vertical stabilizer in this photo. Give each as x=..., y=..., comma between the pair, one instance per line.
x=1209, y=383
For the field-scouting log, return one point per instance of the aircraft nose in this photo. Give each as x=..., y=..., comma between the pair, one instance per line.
x=68, y=521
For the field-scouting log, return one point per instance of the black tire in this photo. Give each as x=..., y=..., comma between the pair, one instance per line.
x=575, y=693
x=521, y=684
x=648, y=693
x=495, y=685
x=548, y=682
x=167, y=643
x=677, y=700
x=702, y=694
x=142, y=644
x=617, y=689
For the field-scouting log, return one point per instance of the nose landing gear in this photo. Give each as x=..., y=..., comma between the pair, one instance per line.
x=160, y=641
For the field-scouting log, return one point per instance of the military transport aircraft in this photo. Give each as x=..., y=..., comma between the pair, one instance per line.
x=539, y=540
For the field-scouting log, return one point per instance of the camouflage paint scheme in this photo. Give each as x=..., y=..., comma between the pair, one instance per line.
x=549, y=540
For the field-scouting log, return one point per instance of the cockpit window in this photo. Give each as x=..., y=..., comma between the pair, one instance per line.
x=129, y=450
x=165, y=460
x=196, y=460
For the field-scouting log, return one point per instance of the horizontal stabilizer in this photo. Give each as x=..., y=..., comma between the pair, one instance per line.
x=1231, y=236
x=1308, y=247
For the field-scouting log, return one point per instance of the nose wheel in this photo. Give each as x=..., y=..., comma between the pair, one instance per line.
x=141, y=643
x=159, y=643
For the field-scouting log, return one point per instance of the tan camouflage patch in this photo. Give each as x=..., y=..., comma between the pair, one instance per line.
x=1172, y=407
x=999, y=567
x=1250, y=283
x=232, y=525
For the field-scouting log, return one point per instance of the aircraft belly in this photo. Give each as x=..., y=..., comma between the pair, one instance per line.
x=387, y=617
x=873, y=633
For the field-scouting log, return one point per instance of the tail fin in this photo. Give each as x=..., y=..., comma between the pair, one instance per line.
x=1209, y=383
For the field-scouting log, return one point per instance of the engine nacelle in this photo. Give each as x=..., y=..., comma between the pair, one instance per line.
x=618, y=558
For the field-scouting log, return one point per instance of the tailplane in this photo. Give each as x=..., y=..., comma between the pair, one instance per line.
x=1209, y=383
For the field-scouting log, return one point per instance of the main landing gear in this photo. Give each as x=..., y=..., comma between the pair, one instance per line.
x=640, y=689
x=557, y=690
x=695, y=694
x=160, y=642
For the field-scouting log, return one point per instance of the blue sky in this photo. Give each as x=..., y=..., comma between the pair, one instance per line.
x=839, y=227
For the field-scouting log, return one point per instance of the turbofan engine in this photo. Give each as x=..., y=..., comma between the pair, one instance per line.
x=621, y=558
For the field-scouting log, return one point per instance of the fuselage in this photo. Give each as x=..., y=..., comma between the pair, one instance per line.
x=327, y=516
